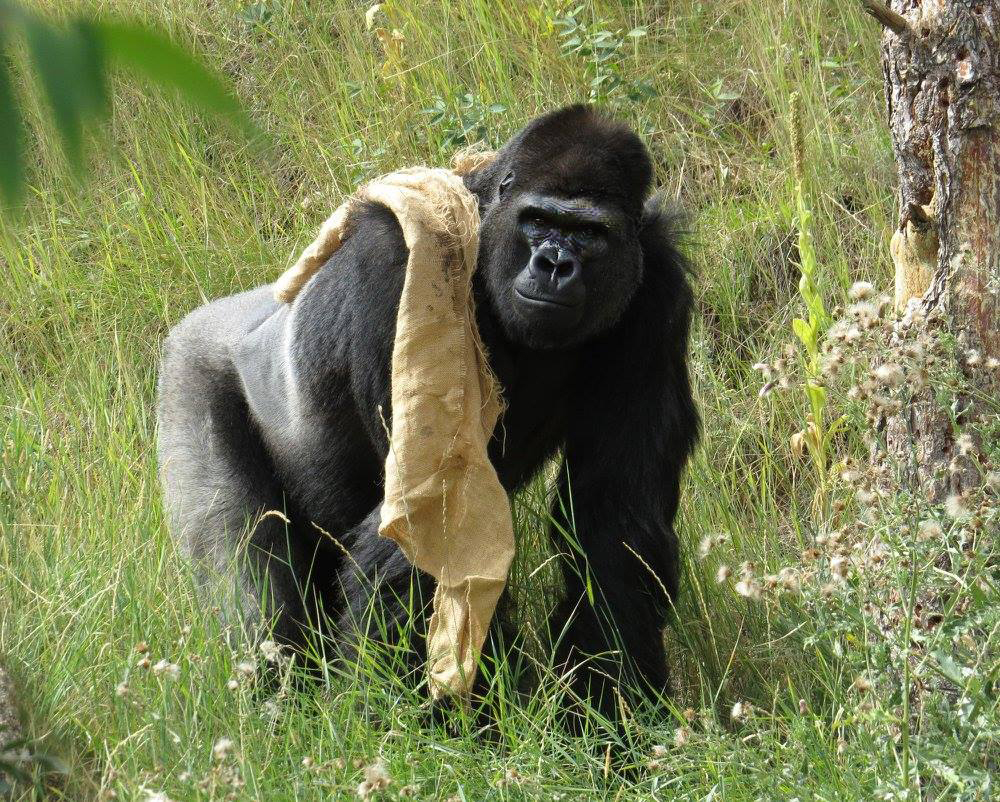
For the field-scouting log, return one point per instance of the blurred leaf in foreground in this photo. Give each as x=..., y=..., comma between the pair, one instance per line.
x=71, y=64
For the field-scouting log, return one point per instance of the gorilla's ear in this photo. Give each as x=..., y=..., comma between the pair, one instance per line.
x=478, y=168
x=482, y=182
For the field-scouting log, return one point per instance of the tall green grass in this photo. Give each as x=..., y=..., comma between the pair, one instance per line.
x=177, y=213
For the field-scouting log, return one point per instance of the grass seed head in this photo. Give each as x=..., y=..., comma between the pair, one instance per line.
x=890, y=374
x=838, y=567
x=376, y=779
x=681, y=736
x=270, y=650
x=740, y=711
x=954, y=505
x=929, y=530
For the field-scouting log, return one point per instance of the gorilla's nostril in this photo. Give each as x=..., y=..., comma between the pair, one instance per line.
x=565, y=268
x=542, y=266
x=553, y=267
x=567, y=271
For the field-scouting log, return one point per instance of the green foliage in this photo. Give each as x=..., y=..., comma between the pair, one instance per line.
x=464, y=120
x=816, y=436
x=71, y=62
x=601, y=48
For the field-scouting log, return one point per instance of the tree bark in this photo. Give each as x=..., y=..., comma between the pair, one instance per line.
x=10, y=725
x=942, y=82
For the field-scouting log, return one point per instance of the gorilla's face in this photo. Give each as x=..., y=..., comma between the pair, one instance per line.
x=559, y=248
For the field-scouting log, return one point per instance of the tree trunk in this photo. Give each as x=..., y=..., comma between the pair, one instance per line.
x=941, y=60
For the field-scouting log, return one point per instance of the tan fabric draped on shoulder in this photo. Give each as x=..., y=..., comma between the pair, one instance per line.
x=443, y=502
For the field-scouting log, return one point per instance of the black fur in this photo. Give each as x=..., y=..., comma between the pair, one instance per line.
x=263, y=407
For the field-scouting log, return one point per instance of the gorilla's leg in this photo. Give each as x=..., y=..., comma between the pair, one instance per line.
x=609, y=627
x=219, y=485
x=385, y=599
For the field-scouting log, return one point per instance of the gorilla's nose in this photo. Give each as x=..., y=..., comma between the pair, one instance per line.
x=554, y=268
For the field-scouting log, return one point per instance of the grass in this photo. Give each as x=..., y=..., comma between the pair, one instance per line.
x=178, y=212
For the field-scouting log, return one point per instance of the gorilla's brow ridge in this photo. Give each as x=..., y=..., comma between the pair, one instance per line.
x=572, y=210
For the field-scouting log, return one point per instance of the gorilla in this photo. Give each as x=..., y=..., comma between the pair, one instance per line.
x=583, y=304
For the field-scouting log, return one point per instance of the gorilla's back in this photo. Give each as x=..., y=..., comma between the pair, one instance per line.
x=205, y=436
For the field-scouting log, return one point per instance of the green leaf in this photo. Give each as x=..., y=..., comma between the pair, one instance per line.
x=11, y=138
x=57, y=57
x=816, y=393
x=949, y=667
x=834, y=427
x=90, y=60
x=155, y=56
x=255, y=13
x=802, y=330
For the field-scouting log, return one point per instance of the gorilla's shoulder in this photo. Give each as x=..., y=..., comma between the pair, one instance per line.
x=667, y=225
x=373, y=229
x=356, y=292
x=371, y=261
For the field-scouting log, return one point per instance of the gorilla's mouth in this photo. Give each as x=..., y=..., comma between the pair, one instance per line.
x=545, y=300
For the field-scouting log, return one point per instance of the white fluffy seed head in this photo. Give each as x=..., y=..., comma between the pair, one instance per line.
x=222, y=749
x=838, y=566
x=929, y=530
x=270, y=650
x=861, y=291
x=890, y=374
x=167, y=669
x=954, y=505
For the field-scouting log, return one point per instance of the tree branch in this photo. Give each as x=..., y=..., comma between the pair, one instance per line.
x=889, y=18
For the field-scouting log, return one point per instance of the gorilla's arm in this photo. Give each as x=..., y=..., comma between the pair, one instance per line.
x=342, y=336
x=634, y=425
x=317, y=373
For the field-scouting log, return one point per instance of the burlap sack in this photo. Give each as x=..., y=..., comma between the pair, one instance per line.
x=443, y=503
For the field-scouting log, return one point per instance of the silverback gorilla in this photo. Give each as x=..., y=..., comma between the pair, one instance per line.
x=583, y=305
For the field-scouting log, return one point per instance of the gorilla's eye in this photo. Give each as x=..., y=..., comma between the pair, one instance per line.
x=505, y=183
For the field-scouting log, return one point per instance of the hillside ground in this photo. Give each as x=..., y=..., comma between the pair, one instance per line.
x=773, y=698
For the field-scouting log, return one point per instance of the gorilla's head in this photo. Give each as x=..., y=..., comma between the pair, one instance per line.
x=561, y=210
